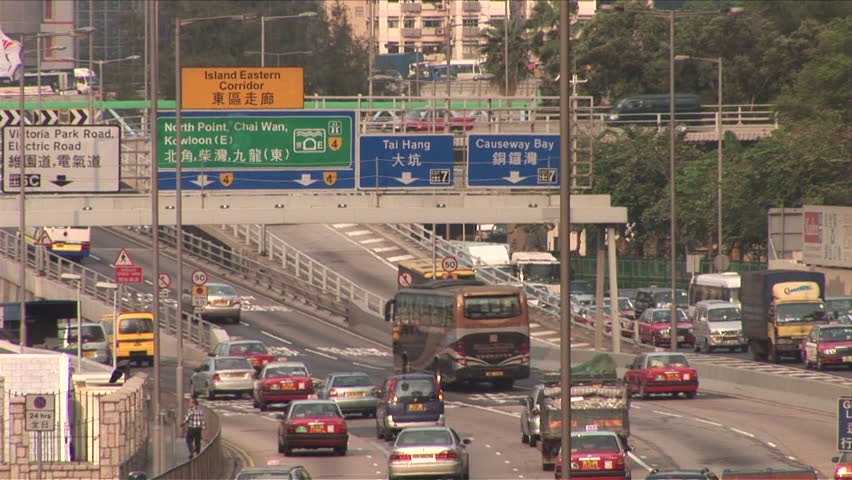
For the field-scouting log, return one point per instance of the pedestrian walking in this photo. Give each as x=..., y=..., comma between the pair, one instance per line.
x=195, y=423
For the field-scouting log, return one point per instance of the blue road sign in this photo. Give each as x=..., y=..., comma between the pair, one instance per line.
x=844, y=424
x=513, y=161
x=406, y=161
x=269, y=150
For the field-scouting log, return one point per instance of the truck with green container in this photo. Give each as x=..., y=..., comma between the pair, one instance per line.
x=599, y=401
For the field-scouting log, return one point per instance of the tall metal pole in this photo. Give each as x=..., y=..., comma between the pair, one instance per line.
x=38, y=70
x=91, y=71
x=22, y=202
x=370, y=42
x=115, y=325
x=79, y=328
x=565, y=230
x=506, y=50
x=262, y=41
x=719, y=159
x=179, y=217
x=450, y=18
x=672, y=203
x=154, y=71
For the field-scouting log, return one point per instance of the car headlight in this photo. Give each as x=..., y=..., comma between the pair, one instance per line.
x=690, y=331
x=829, y=351
x=665, y=332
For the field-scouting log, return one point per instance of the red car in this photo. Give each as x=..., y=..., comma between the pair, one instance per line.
x=312, y=424
x=254, y=350
x=282, y=382
x=843, y=467
x=596, y=455
x=827, y=345
x=661, y=372
x=655, y=326
x=429, y=120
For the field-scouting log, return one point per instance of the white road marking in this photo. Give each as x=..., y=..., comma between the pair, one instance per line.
x=384, y=249
x=543, y=332
x=743, y=433
x=283, y=340
x=367, y=366
x=358, y=233
x=639, y=461
x=658, y=412
x=321, y=354
x=96, y=258
x=487, y=409
x=771, y=444
x=400, y=258
x=370, y=240
x=342, y=225
x=708, y=422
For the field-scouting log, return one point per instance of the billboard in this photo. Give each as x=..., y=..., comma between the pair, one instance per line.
x=827, y=236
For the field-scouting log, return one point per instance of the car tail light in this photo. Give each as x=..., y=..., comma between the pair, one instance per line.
x=86, y=245
x=332, y=393
x=525, y=352
x=448, y=455
x=217, y=378
x=235, y=302
x=687, y=376
x=400, y=457
x=460, y=350
x=843, y=472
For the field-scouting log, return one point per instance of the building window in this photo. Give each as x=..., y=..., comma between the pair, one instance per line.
x=409, y=23
x=432, y=22
x=471, y=50
x=359, y=11
x=433, y=47
x=393, y=22
x=393, y=47
x=410, y=47
x=470, y=22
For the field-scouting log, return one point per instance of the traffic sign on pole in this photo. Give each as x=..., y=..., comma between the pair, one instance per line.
x=164, y=281
x=68, y=159
x=199, y=277
x=129, y=274
x=123, y=259
x=270, y=150
x=40, y=411
x=844, y=424
x=449, y=264
x=513, y=161
x=199, y=296
x=405, y=279
x=406, y=161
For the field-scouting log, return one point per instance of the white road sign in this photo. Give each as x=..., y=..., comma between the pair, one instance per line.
x=80, y=158
x=449, y=264
x=199, y=277
x=40, y=411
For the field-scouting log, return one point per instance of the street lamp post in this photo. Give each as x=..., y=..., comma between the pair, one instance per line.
x=77, y=278
x=279, y=55
x=22, y=197
x=114, y=345
x=670, y=15
x=100, y=64
x=263, y=21
x=718, y=62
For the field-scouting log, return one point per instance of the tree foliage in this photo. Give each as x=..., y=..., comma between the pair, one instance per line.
x=495, y=54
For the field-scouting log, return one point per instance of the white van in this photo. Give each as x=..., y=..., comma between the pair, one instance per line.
x=718, y=324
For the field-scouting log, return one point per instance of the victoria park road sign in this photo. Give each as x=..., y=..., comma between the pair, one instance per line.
x=269, y=150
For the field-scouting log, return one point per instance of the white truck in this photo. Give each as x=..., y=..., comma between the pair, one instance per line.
x=486, y=256
x=538, y=269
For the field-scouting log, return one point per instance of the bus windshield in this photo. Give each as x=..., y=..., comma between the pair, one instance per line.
x=481, y=307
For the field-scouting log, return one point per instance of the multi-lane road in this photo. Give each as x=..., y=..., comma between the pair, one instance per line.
x=713, y=430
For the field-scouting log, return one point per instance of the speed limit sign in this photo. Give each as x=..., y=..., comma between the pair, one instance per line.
x=449, y=264
x=199, y=277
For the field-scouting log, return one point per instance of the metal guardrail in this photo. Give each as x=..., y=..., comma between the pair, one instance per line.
x=304, y=270
x=45, y=264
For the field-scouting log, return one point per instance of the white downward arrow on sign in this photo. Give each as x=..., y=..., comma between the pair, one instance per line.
x=406, y=178
x=202, y=181
x=306, y=180
x=514, y=177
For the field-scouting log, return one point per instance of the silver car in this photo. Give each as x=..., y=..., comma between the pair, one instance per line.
x=223, y=303
x=530, y=416
x=432, y=451
x=353, y=392
x=223, y=375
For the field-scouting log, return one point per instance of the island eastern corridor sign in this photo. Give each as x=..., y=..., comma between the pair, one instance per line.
x=242, y=88
x=258, y=150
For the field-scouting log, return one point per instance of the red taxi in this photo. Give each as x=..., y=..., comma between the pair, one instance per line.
x=282, y=382
x=597, y=455
x=655, y=327
x=661, y=372
x=254, y=350
x=827, y=345
x=843, y=466
x=312, y=424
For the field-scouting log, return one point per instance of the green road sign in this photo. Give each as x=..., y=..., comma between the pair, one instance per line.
x=253, y=140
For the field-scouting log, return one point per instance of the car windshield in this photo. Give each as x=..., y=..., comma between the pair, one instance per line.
x=314, y=410
x=243, y=348
x=594, y=443
x=723, y=314
x=666, y=297
x=837, y=334
x=232, y=364
x=286, y=372
x=221, y=290
x=840, y=305
x=625, y=304
x=136, y=325
x=352, y=381
x=417, y=114
x=415, y=388
x=91, y=333
x=660, y=361
x=424, y=437
x=665, y=316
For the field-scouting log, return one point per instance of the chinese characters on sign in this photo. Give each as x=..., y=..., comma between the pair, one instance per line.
x=406, y=161
x=40, y=412
x=513, y=160
x=827, y=235
x=62, y=159
x=242, y=88
x=844, y=424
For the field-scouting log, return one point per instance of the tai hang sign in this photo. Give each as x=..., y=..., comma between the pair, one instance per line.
x=62, y=159
x=242, y=88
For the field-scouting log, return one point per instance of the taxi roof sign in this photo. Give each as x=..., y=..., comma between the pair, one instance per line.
x=242, y=88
